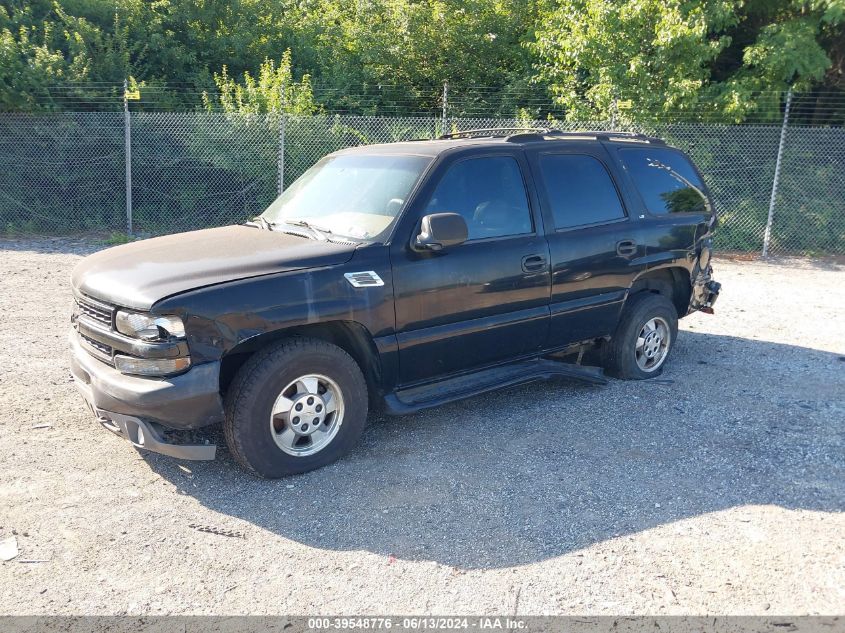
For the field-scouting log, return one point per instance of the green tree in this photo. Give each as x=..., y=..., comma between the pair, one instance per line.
x=273, y=90
x=713, y=58
x=720, y=59
x=379, y=54
x=27, y=64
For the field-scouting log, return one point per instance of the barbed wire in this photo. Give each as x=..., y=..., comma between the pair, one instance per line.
x=818, y=107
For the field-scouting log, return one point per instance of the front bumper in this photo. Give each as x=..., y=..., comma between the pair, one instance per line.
x=148, y=436
x=188, y=401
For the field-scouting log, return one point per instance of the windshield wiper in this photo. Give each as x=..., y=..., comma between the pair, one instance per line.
x=319, y=231
x=261, y=222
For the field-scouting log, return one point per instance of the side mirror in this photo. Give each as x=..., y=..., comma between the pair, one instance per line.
x=439, y=231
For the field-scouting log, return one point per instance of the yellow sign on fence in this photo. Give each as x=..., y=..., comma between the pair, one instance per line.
x=132, y=95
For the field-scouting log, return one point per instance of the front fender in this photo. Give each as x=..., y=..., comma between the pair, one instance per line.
x=222, y=317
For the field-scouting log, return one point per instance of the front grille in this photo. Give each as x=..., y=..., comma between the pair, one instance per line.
x=97, y=311
x=102, y=348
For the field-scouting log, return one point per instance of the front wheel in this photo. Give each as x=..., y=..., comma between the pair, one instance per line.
x=294, y=407
x=643, y=339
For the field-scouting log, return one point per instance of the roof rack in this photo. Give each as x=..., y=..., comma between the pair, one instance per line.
x=539, y=134
x=491, y=131
x=601, y=135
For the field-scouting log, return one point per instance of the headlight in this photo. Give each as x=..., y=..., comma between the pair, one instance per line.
x=149, y=327
x=150, y=366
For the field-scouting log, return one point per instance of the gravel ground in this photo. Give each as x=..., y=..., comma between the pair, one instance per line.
x=717, y=489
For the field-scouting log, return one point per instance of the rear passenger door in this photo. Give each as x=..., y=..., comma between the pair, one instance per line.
x=676, y=210
x=595, y=247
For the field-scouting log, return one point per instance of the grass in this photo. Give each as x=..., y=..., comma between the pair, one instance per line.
x=118, y=237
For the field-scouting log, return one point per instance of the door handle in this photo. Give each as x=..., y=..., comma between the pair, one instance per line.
x=626, y=248
x=533, y=263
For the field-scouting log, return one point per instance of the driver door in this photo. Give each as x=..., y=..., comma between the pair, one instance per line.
x=482, y=302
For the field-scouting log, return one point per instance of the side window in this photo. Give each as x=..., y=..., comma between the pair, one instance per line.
x=666, y=180
x=489, y=192
x=580, y=190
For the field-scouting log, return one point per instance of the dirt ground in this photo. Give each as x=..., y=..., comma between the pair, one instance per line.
x=718, y=488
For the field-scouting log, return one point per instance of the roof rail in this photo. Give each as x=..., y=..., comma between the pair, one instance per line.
x=607, y=135
x=491, y=131
x=520, y=134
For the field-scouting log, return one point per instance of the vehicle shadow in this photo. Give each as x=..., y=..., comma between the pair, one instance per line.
x=534, y=472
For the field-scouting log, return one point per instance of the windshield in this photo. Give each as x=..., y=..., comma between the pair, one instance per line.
x=355, y=195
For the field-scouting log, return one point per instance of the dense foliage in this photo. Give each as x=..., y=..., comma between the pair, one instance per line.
x=712, y=58
x=727, y=59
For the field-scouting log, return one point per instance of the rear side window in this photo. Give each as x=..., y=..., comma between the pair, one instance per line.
x=489, y=193
x=666, y=180
x=580, y=190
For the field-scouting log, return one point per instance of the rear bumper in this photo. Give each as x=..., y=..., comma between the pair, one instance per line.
x=188, y=401
x=705, y=291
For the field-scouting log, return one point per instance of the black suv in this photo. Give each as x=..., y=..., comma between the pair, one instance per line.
x=398, y=277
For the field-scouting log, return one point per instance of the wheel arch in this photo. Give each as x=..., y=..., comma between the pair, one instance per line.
x=350, y=336
x=671, y=281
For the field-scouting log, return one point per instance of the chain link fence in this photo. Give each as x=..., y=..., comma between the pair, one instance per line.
x=65, y=173
x=196, y=170
x=62, y=173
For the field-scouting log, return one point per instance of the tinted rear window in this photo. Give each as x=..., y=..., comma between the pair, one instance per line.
x=580, y=190
x=666, y=180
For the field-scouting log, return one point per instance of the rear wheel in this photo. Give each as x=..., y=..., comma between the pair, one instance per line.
x=294, y=407
x=643, y=339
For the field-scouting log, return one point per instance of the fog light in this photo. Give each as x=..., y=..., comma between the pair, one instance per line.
x=150, y=366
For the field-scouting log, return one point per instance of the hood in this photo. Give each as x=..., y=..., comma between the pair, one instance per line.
x=137, y=275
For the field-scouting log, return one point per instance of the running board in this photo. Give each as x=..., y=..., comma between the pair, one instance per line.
x=415, y=399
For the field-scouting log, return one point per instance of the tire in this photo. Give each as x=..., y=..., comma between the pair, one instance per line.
x=277, y=444
x=625, y=358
